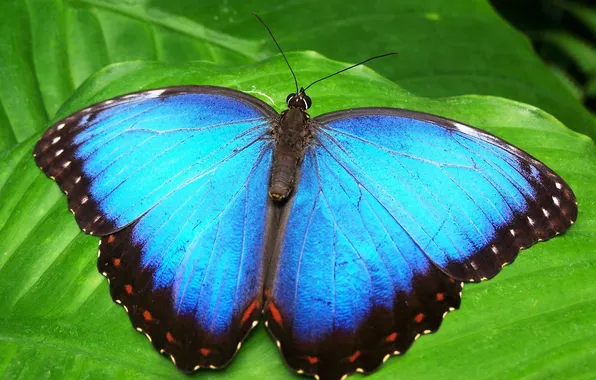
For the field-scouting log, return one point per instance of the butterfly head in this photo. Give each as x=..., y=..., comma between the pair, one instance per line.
x=299, y=100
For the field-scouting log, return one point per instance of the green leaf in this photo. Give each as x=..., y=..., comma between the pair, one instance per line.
x=536, y=319
x=446, y=48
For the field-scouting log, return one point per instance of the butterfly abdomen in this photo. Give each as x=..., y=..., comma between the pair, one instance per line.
x=291, y=136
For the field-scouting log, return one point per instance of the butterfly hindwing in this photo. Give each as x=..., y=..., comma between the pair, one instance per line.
x=394, y=209
x=190, y=271
x=117, y=159
x=176, y=182
x=351, y=288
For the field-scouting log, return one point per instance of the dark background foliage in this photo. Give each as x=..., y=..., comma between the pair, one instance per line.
x=563, y=33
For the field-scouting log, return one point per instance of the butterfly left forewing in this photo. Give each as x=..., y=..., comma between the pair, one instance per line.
x=120, y=157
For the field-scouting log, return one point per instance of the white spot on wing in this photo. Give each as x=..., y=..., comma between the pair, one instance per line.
x=156, y=93
x=495, y=249
x=531, y=221
x=556, y=201
x=558, y=185
x=78, y=179
x=467, y=130
x=84, y=199
x=60, y=126
x=56, y=139
x=512, y=232
x=66, y=164
x=545, y=212
x=58, y=152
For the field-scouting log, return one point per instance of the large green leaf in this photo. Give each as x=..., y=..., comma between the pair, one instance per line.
x=447, y=48
x=536, y=319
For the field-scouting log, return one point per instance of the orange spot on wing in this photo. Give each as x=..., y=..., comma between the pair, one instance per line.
x=147, y=316
x=205, y=351
x=440, y=296
x=312, y=359
x=391, y=337
x=267, y=293
x=169, y=337
x=354, y=356
x=249, y=311
x=128, y=289
x=111, y=239
x=451, y=280
x=275, y=314
x=419, y=317
x=116, y=262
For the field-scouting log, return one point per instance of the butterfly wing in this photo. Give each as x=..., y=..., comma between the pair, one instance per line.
x=178, y=179
x=393, y=211
x=117, y=159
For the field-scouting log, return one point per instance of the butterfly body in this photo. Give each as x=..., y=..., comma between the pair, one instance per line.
x=293, y=132
x=349, y=233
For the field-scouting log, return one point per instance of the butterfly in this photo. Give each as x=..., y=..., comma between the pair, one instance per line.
x=350, y=233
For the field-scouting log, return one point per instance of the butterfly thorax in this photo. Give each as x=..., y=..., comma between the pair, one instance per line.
x=291, y=134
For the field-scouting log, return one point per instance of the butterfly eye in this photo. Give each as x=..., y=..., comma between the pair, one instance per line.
x=289, y=98
x=307, y=101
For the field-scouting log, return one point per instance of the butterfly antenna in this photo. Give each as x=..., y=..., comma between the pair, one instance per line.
x=351, y=67
x=279, y=47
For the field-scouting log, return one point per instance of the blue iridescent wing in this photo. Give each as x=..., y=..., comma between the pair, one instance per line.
x=393, y=212
x=117, y=159
x=176, y=182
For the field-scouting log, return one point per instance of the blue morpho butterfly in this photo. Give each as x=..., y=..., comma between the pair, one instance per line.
x=350, y=233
